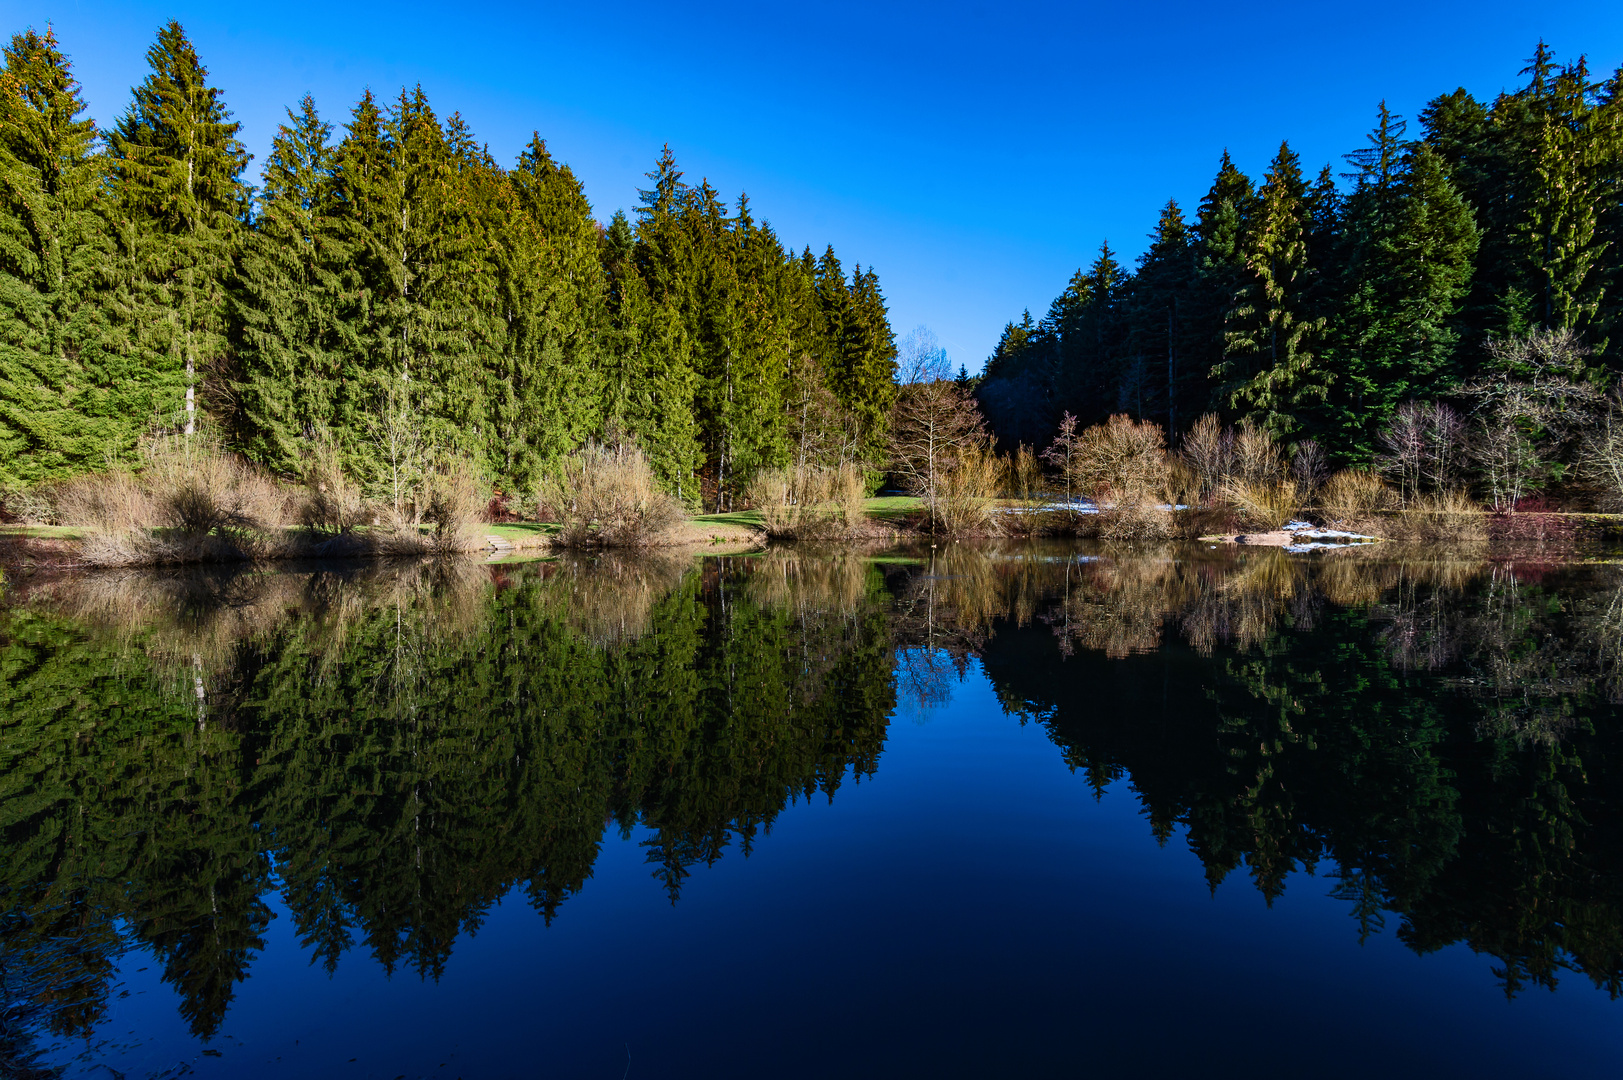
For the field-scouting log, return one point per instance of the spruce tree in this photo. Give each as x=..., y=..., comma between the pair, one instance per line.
x=1408, y=245
x=650, y=382
x=547, y=394
x=287, y=305
x=66, y=399
x=1271, y=370
x=1220, y=231
x=1157, y=334
x=177, y=177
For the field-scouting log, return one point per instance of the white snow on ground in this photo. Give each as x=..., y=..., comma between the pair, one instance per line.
x=1309, y=537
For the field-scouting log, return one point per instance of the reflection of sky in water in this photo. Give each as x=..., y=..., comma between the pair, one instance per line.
x=971, y=909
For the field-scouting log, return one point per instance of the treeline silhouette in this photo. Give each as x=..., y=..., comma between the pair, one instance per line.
x=387, y=283
x=1316, y=306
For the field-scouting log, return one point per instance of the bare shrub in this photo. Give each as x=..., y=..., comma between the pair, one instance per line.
x=809, y=501
x=1023, y=488
x=454, y=506
x=1535, y=399
x=27, y=506
x=1258, y=457
x=1122, y=461
x=968, y=493
x=331, y=502
x=110, y=502
x=198, y=488
x=1139, y=519
x=1601, y=456
x=1023, y=475
x=1263, y=504
x=1179, y=485
x=1352, y=496
x=1422, y=449
x=1447, y=516
x=1209, y=452
x=1309, y=466
x=608, y=496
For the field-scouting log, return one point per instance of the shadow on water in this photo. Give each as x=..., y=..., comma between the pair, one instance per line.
x=393, y=748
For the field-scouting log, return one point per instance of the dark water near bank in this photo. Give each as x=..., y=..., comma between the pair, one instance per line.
x=1004, y=810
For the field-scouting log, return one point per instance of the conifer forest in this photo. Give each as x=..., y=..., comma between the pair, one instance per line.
x=384, y=275
x=1317, y=304
x=381, y=288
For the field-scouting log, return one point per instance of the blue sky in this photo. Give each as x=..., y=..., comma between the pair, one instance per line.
x=976, y=154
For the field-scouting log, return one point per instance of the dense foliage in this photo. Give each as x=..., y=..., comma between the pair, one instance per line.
x=391, y=289
x=1317, y=308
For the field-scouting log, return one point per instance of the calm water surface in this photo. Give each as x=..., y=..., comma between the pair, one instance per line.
x=1006, y=810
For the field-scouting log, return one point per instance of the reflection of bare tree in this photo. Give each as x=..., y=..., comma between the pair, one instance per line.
x=608, y=597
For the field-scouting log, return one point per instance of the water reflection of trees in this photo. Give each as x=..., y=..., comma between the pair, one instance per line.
x=395, y=748
x=1443, y=731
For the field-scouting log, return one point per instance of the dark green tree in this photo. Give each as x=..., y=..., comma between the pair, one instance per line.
x=177, y=170
x=66, y=396
x=1272, y=370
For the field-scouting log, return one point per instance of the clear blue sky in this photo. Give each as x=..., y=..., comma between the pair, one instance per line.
x=975, y=154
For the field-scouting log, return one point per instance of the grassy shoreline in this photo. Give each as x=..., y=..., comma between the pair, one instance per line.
x=25, y=548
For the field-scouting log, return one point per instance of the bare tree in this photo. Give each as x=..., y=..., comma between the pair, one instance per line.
x=1536, y=398
x=397, y=428
x=921, y=359
x=824, y=433
x=932, y=425
x=1445, y=447
x=1601, y=456
x=1309, y=466
x=1062, y=452
x=1403, y=446
x=1209, y=450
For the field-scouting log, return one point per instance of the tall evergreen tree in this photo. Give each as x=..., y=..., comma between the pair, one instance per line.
x=547, y=393
x=66, y=398
x=1409, y=242
x=177, y=175
x=1158, y=335
x=1272, y=370
x=287, y=301
x=1220, y=230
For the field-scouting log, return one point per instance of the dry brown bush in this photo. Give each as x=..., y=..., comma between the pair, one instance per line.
x=1258, y=457
x=331, y=502
x=198, y=488
x=27, y=506
x=1024, y=491
x=969, y=492
x=454, y=507
x=1450, y=516
x=608, y=496
x=809, y=501
x=109, y=502
x=1351, y=496
x=1143, y=519
x=1122, y=461
x=1263, y=504
x=1209, y=452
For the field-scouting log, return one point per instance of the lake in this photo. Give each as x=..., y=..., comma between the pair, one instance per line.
x=1003, y=809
